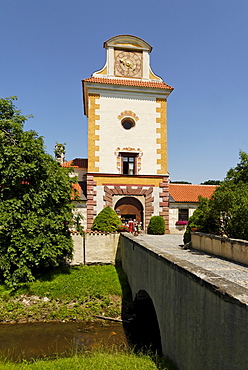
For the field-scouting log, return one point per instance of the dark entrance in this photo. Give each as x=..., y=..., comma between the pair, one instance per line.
x=129, y=207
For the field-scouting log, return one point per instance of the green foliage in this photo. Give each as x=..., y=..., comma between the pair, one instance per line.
x=35, y=202
x=106, y=221
x=187, y=235
x=239, y=174
x=76, y=223
x=59, y=150
x=156, y=225
x=231, y=201
x=204, y=219
x=211, y=182
x=226, y=213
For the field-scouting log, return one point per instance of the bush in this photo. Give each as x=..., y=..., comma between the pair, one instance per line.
x=205, y=219
x=106, y=221
x=156, y=225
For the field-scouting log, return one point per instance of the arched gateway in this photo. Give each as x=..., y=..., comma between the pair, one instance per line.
x=129, y=207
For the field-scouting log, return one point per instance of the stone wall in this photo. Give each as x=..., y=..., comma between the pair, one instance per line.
x=232, y=249
x=95, y=248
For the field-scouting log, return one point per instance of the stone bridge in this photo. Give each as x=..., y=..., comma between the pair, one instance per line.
x=198, y=303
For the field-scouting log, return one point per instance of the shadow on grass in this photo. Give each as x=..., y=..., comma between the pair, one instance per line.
x=51, y=274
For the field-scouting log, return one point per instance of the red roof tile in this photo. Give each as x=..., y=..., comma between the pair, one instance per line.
x=115, y=81
x=76, y=191
x=77, y=163
x=190, y=193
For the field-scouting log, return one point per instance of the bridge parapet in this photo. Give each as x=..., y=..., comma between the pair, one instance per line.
x=233, y=249
x=202, y=317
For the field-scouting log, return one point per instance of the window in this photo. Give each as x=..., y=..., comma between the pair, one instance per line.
x=129, y=164
x=183, y=214
x=127, y=123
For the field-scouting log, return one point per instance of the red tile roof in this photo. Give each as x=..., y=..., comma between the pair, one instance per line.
x=77, y=163
x=190, y=193
x=115, y=81
x=76, y=191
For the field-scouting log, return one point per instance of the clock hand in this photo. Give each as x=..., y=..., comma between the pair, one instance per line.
x=126, y=63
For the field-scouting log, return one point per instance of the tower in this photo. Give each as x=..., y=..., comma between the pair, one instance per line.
x=126, y=105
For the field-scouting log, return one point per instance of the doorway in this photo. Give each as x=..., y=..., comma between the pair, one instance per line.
x=129, y=207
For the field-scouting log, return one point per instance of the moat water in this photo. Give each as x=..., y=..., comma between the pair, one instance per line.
x=39, y=340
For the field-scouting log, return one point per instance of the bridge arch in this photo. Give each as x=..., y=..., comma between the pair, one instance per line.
x=146, y=327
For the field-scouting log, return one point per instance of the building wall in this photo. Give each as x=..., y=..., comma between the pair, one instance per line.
x=174, y=215
x=107, y=137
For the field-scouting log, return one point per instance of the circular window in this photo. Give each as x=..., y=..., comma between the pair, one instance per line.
x=127, y=123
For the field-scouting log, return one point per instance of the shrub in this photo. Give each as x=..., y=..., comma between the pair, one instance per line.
x=156, y=225
x=187, y=236
x=106, y=221
x=204, y=218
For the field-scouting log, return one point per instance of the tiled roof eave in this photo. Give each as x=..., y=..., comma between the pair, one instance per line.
x=129, y=82
x=186, y=201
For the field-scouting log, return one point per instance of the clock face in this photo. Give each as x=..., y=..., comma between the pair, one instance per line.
x=128, y=63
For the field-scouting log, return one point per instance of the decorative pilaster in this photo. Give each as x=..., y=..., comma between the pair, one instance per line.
x=91, y=203
x=164, y=202
x=92, y=137
x=162, y=139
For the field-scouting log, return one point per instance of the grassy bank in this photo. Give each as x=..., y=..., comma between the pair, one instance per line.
x=75, y=293
x=96, y=360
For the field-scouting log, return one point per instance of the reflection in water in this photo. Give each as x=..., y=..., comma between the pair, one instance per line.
x=36, y=340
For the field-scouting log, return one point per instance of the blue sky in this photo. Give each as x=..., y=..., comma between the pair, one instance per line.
x=199, y=47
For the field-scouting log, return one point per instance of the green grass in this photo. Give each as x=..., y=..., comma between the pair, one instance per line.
x=96, y=360
x=71, y=293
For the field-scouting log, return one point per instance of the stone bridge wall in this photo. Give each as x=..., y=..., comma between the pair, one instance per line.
x=232, y=249
x=202, y=325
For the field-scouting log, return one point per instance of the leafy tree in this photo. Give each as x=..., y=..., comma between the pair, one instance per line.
x=156, y=225
x=226, y=213
x=240, y=172
x=211, y=182
x=231, y=202
x=35, y=202
x=106, y=221
x=205, y=219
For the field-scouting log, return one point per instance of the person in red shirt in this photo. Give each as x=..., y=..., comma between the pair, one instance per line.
x=130, y=226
